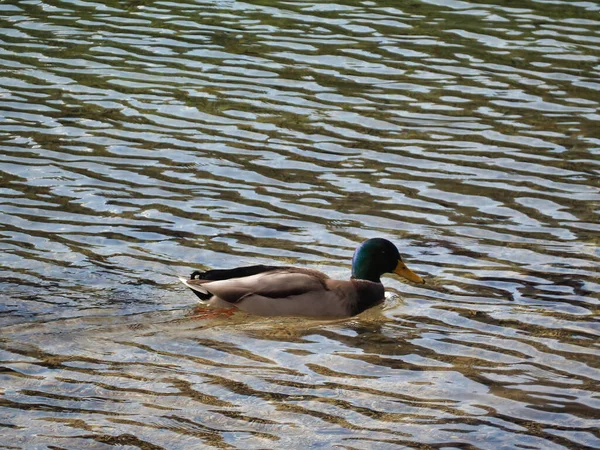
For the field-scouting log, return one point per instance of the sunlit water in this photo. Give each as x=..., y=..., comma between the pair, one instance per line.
x=143, y=139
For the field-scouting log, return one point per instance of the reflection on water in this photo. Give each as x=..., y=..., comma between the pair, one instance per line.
x=141, y=140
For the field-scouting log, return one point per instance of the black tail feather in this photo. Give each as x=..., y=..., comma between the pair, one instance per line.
x=201, y=295
x=226, y=274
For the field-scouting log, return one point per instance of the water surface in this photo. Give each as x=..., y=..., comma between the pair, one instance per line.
x=141, y=140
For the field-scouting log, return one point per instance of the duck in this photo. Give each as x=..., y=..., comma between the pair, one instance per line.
x=266, y=290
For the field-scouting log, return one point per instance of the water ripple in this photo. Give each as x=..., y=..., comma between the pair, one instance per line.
x=142, y=140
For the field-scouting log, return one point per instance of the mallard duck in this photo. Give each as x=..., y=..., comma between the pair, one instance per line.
x=293, y=291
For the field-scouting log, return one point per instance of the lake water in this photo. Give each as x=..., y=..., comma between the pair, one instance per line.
x=141, y=140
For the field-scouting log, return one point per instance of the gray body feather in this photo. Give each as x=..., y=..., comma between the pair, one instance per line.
x=290, y=292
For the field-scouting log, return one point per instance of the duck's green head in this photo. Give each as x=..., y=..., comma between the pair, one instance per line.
x=377, y=256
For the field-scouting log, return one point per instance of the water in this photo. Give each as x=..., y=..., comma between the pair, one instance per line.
x=143, y=140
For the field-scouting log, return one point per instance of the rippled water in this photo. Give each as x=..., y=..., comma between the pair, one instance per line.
x=143, y=139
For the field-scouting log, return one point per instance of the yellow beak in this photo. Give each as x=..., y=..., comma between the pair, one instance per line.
x=405, y=272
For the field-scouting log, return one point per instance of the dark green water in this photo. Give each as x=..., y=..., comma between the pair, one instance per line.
x=140, y=140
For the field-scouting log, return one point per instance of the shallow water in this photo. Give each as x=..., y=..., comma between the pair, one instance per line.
x=142, y=140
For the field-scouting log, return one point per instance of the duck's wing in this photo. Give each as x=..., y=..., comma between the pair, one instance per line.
x=234, y=285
